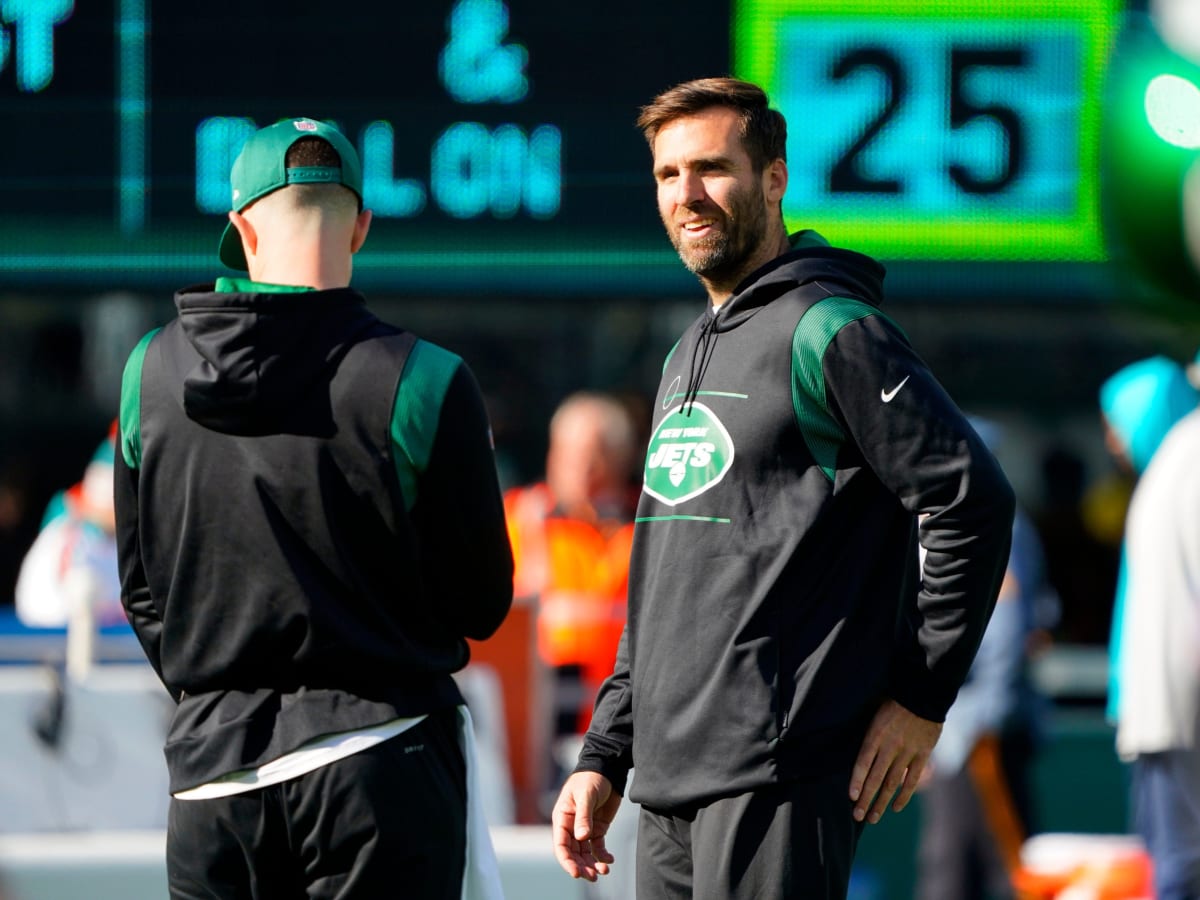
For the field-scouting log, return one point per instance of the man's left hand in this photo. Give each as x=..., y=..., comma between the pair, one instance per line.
x=893, y=755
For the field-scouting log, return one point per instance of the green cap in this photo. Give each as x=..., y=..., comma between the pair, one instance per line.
x=259, y=170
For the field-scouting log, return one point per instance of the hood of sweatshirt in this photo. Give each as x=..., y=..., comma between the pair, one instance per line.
x=811, y=261
x=257, y=352
x=1141, y=403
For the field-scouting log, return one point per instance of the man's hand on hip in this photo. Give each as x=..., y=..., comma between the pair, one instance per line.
x=893, y=755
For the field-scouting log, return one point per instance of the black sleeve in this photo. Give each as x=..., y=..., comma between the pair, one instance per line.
x=608, y=745
x=924, y=451
x=139, y=605
x=467, y=558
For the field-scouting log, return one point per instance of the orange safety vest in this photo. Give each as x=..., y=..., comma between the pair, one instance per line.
x=578, y=572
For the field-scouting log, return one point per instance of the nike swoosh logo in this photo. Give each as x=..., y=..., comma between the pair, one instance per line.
x=886, y=396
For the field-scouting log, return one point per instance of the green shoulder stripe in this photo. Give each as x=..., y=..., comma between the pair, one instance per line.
x=130, y=416
x=817, y=327
x=416, y=411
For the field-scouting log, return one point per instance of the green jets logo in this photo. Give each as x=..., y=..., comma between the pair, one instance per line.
x=687, y=455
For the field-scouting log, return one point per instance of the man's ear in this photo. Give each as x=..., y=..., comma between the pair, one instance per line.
x=246, y=230
x=361, y=226
x=775, y=180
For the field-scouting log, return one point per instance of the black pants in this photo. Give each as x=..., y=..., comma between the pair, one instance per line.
x=386, y=822
x=791, y=841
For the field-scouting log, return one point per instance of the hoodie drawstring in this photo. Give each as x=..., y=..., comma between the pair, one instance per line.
x=702, y=353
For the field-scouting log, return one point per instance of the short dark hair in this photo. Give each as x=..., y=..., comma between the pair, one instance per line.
x=312, y=151
x=317, y=152
x=763, y=130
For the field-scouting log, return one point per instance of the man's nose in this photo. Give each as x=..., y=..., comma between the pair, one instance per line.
x=689, y=189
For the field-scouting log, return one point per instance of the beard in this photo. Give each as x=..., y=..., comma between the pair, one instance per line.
x=725, y=252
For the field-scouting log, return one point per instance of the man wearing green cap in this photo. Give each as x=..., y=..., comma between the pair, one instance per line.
x=297, y=486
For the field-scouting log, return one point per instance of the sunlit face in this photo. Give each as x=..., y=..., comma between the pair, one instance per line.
x=578, y=467
x=713, y=204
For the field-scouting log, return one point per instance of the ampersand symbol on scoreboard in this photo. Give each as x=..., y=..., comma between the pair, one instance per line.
x=476, y=66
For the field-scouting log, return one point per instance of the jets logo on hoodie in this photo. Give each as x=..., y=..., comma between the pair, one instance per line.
x=688, y=454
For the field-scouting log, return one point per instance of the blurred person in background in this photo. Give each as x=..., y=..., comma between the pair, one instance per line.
x=976, y=808
x=73, y=560
x=1081, y=559
x=571, y=535
x=310, y=527
x=782, y=676
x=1139, y=404
x=1153, y=426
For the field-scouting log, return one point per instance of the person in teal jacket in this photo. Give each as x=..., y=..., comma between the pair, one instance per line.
x=1139, y=404
x=73, y=561
x=1150, y=412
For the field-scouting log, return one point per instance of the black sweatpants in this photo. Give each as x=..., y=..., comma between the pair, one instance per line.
x=389, y=822
x=790, y=841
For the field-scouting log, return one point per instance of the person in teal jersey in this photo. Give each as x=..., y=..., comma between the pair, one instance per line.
x=1139, y=404
x=1152, y=427
x=73, y=560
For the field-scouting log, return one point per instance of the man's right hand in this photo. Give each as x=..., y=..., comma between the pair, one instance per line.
x=585, y=809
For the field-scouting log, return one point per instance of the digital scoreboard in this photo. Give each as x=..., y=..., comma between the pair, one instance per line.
x=498, y=138
x=939, y=129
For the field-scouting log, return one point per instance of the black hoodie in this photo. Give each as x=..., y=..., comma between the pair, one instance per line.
x=774, y=593
x=309, y=522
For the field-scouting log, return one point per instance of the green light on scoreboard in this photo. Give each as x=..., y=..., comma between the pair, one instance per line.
x=955, y=130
